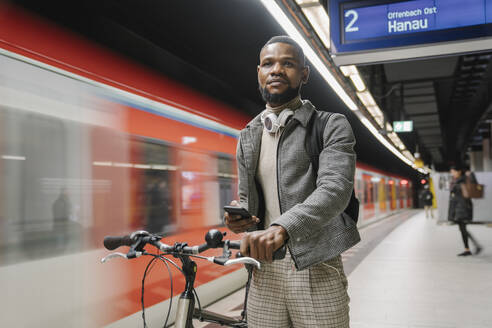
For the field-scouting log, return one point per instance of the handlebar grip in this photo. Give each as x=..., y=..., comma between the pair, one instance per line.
x=279, y=254
x=235, y=244
x=113, y=242
x=220, y=260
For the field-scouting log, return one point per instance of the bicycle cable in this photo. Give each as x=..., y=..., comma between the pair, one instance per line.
x=199, y=305
x=143, y=290
x=147, y=270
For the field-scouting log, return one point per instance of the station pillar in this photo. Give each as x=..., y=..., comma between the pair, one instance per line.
x=487, y=150
x=476, y=160
x=487, y=155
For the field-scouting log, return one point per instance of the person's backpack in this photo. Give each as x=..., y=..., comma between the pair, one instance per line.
x=314, y=146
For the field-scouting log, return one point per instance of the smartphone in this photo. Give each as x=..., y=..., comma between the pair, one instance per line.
x=236, y=210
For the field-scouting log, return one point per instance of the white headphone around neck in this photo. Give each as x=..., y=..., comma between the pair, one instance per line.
x=272, y=123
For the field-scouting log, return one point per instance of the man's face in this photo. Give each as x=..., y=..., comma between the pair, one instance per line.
x=280, y=73
x=455, y=173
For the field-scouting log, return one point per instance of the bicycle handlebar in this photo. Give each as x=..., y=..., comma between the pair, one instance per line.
x=139, y=239
x=213, y=238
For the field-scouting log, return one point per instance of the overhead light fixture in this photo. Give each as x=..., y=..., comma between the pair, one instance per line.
x=307, y=2
x=358, y=83
x=409, y=155
x=318, y=18
x=352, y=72
x=394, y=137
x=383, y=140
x=292, y=31
x=375, y=111
x=349, y=70
x=379, y=120
x=366, y=98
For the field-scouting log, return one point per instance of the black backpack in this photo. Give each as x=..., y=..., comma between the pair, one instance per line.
x=314, y=146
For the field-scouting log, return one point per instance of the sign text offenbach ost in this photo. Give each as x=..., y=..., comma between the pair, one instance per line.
x=414, y=16
x=409, y=25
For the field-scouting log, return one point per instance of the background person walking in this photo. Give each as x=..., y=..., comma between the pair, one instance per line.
x=427, y=197
x=461, y=210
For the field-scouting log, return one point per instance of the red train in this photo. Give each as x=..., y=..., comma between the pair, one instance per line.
x=93, y=144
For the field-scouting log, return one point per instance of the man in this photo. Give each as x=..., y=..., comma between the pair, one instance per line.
x=427, y=197
x=290, y=204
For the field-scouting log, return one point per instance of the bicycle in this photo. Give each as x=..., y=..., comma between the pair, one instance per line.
x=186, y=310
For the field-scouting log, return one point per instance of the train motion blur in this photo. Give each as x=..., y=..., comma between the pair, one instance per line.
x=92, y=145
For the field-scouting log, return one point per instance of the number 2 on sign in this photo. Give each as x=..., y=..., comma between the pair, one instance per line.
x=350, y=27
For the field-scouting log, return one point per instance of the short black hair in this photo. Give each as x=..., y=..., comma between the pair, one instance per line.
x=458, y=167
x=288, y=40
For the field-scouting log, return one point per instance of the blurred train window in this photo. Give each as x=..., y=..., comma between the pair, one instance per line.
x=368, y=189
x=226, y=165
x=359, y=191
x=154, y=176
x=191, y=191
x=401, y=190
x=374, y=185
x=194, y=173
x=45, y=185
x=227, y=182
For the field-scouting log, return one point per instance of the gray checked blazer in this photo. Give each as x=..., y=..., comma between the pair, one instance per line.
x=312, y=208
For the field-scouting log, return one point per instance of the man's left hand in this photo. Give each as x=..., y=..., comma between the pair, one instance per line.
x=261, y=244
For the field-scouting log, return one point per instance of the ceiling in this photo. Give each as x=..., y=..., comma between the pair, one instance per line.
x=446, y=98
x=213, y=47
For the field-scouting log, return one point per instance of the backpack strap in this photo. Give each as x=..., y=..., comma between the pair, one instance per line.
x=314, y=136
x=314, y=145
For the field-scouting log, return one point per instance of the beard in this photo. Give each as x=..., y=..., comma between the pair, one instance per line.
x=279, y=98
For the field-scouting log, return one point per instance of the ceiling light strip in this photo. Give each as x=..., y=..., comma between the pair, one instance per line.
x=319, y=19
x=383, y=140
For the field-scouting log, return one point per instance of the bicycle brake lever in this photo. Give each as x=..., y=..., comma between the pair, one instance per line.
x=139, y=233
x=243, y=260
x=117, y=254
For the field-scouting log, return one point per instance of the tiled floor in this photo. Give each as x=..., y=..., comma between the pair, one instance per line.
x=413, y=278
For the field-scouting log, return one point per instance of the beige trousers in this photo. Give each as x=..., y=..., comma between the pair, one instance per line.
x=281, y=296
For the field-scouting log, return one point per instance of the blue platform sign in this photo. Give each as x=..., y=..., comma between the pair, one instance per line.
x=374, y=24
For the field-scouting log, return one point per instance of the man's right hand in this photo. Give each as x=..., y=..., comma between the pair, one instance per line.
x=238, y=225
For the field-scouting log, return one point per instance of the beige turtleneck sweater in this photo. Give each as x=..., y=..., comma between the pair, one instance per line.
x=267, y=166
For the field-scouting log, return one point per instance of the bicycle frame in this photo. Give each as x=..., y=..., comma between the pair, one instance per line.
x=186, y=310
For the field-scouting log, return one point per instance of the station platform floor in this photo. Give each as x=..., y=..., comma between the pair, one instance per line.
x=405, y=274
